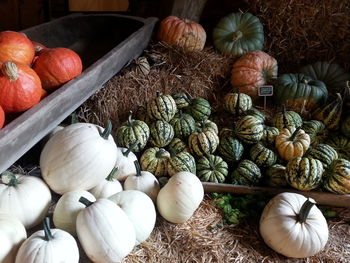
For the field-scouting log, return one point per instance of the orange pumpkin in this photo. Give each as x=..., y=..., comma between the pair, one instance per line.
x=56, y=66
x=16, y=47
x=2, y=117
x=37, y=47
x=20, y=87
x=182, y=32
x=251, y=70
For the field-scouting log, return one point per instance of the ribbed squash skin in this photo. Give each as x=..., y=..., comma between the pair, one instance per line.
x=257, y=114
x=181, y=162
x=345, y=126
x=212, y=168
x=155, y=161
x=337, y=177
x=286, y=119
x=227, y=132
x=163, y=107
x=262, y=156
x=304, y=173
x=183, y=124
x=206, y=125
x=324, y=153
x=182, y=100
x=203, y=143
x=246, y=173
x=316, y=130
x=238, y=33
x=269, y=135
x=341, y=144
x=276, y=176
x=330, y=114
x=177, y=145
x=231, y=149
x=161, y=133
x=199, y=109
x=249, y=129
x=237, y=103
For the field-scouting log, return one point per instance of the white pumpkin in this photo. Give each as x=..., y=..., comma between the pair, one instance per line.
x=140, y=210
x=12, y=234
x=78, y=157
x=125, y=163
x=26, y=197
x=180, y=197
x=107, y=187
x=105, y=231
x=293, y=226
x=143, y=181
x=49, y=246
x=67, y=209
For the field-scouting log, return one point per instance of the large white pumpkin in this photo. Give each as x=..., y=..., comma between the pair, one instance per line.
x=105, y=232
x=49, y=246
x=12, y=234
x=26, y=197
x=291, y=228
x=67, y=209
x=140, y=210
x=180, y=197
x=78, y=157
x=125, y=163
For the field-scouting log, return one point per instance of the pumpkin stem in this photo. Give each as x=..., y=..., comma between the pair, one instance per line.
x=47, y=230
x=305, y=81
x=85, y=201
x=160, y=153
x=158, y=94
x=73, y=118
x=305, y=210
x=180, y=113
x=295, y=133
x=9, y=178
x=238, y=102
x=138, y=168
x=130, y=148
x=10, y=70
x=236, y=35
x=111, y=174
x=107, y=130
x=129, y=118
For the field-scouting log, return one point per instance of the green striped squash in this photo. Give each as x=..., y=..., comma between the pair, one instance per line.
x=212, y=168
x=330, y=114
x=276, y=176
x=231, y=149
x=324, y=153
x=249, y=129
x=177, y=145
x=269, y=135
x=206, y=125
x=345, y=126
x=199, y=109
x=304, y=173
x=286, y=119
x=202, y=143
x=163, y=107
x=227, y=132
x=131, y=132
x=182, y=100
x=256, y=113
x=341, y=144
x=155, y=161
x=337, y=177
x=246, y=173
x=262, y=156
x=181, y=162
x=142, y=115
x=237, y=103
x=161, y=133
x=316, y=130
x=183, y=124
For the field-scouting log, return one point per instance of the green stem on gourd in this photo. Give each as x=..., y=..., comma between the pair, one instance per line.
x=85, y=201
x=111, y=174
x=158, y=94
x=238, y=101
x=138, y=168
x=160, y=153
x=9, y=178
x=107, y=131
x=295, y=133
x=73, y=118
x=305, y=210
x=10, y=70
x=236, y=35
x=47, y=230
x=130, y=148
x=130, y=119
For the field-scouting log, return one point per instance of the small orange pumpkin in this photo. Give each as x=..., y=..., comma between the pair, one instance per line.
x=251, y=70
x=182, y=32
x=20, y=87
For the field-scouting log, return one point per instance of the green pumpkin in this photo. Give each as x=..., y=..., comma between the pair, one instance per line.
x=256, y=113
x=199, y=109
x=298, y=91
x=304, y=173
x=177, y=145
x=317, y=131
x=183, y=124
x=286, y=119
x=133, y=132
x=246, y=173
x=333, y=75
x=341, y=144
x=237, y=103
x=324, y=153
x=249, y=129
x=269, y=135
x=182, y=100
x=337, y=177
x=203, y=143
x=212, y=168
x=238, y=33
x=181, y=162
x=231, y=149
x=262, y=156
x=345, y=126
x=163, y=107
x=161, y=133
x=206, y=125
x=276, y=176
x=155, y=161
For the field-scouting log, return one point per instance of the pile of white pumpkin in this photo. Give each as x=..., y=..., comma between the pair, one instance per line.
x=82, y=163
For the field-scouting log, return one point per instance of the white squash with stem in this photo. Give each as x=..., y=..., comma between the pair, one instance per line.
x=125, y=162
x=107, y=187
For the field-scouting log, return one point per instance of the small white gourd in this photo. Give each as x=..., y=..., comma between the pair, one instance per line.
x=140, y=210
x=143, y=181
x=125, y=162
x=107, y=187
x=49, y=246
x=180, y=197
x=67, y=209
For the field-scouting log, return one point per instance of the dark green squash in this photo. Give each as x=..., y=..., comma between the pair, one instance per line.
x=183, y=124
x=316, y=130
x=276, y=176
x=182, y=100
x=161, y=133
x=230, y=148
x=155, y=161
x=199, y=109
x=337, y=177
x=324, y=153
x=286, y=119
x=262, y=156
x=212, y=168
x=249, y=129
x=246, y=173
x=203, y=143
x=177, y=145
x=181, y=162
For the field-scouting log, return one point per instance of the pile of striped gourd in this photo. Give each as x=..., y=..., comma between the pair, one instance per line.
x=174, y=133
